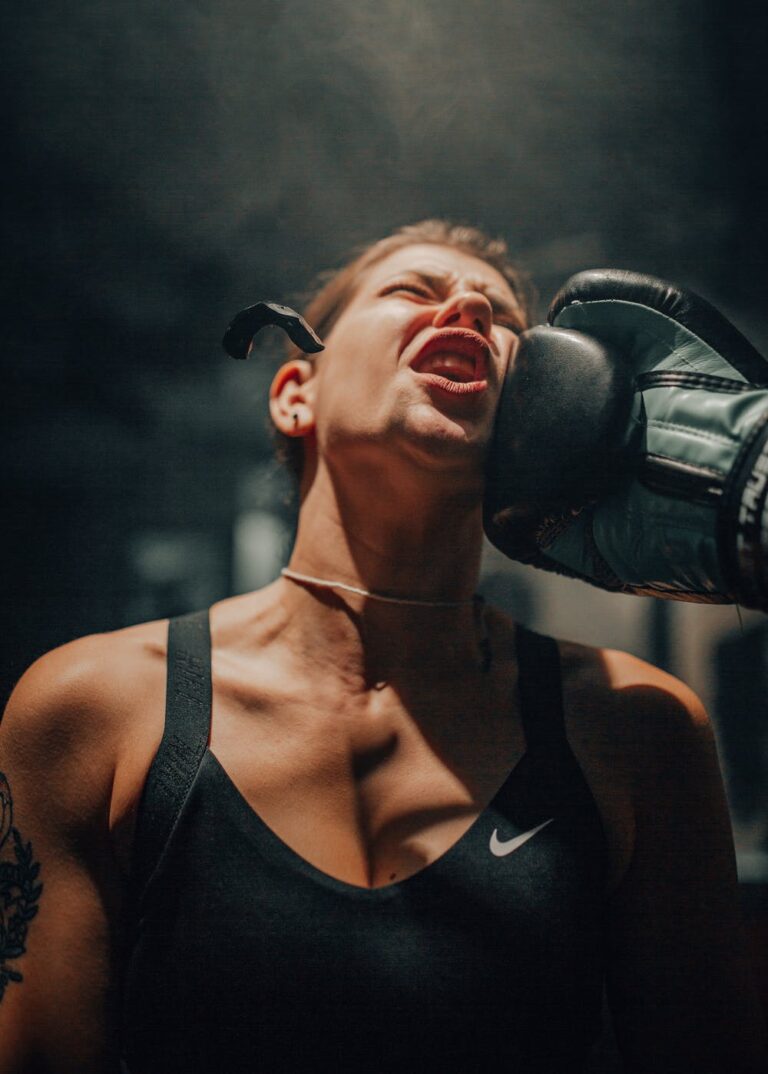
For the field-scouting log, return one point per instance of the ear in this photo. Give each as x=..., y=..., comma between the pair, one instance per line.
x=291, y=397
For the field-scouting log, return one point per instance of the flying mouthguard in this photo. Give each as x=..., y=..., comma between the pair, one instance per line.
x=239, y=336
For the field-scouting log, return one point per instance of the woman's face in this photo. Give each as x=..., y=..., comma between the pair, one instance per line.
x=414, y=365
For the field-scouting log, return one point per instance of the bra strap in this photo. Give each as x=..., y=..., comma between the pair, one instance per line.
x=541, y=693
x=184, y=741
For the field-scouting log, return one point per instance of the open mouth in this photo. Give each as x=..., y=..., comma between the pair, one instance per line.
x=455, y=360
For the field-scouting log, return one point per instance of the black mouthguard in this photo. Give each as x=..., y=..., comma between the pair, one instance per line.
x=238, y=338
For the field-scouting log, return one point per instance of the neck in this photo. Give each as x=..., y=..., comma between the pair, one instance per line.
x=381, y=598
x=391, y=533
x=415, y=546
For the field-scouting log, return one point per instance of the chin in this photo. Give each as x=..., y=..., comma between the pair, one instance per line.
x=428, y=423
x=440, y=442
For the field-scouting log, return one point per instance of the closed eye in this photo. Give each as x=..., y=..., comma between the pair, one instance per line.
x=506, y=318
x=414, y=288
x=511, y=323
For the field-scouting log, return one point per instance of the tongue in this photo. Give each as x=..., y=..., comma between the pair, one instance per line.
x=451, y=366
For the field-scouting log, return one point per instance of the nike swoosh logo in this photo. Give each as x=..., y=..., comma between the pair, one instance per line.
x=500, y=849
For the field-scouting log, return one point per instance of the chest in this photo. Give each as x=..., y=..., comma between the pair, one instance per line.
x=239, y=931
x=371, y=792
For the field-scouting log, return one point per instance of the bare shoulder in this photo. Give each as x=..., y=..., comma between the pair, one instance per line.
x=75, y=711
x=86, y=683
x=628, y=695
x=610, y=689
x=628, y=716
x=633, y=729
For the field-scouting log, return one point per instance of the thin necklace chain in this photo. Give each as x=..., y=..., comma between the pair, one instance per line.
x=327, y=583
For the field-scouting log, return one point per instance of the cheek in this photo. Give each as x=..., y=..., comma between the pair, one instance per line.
x=507, y=343
x=362, y=352
x=348, y=389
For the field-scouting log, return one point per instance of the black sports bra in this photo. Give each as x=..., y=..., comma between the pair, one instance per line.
x=245, y=957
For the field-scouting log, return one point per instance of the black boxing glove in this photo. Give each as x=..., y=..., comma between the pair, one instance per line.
x=631, y=445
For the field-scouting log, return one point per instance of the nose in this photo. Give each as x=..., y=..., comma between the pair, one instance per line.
x=469, y=309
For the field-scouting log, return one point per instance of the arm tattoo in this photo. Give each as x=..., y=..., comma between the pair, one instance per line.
x=19, y=892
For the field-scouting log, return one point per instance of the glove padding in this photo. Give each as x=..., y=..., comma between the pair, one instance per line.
x=631, y=445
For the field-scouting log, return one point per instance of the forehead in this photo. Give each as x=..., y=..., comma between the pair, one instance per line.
x=455, y=266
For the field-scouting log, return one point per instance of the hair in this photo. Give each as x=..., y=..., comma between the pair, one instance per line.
x=334, y=289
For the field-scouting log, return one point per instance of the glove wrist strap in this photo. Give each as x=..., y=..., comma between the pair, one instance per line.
x=743, y=521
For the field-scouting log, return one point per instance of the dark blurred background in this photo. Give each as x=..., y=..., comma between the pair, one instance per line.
x=166, y=165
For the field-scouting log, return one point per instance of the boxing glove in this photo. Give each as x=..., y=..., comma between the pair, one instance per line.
x=631, y=445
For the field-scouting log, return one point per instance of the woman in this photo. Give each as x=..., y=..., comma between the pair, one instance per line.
x=406, y=833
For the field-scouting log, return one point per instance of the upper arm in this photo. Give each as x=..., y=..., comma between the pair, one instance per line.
x=59, y=897
x=679, y=985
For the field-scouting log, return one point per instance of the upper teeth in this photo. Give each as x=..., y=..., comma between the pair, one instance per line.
x=461, y=363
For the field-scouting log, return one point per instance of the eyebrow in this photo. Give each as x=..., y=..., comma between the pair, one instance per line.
x=499, y=304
